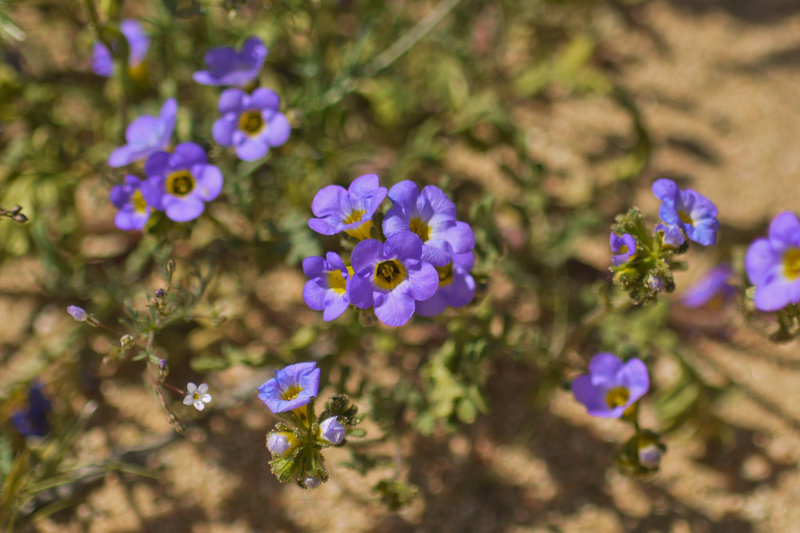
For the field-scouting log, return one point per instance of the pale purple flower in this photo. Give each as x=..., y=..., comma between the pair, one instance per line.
x=133, y=209
x=349, y=210
x=611, y=386
x=252, y=123
x=138, y=43
x=456, y=286
x=146, y=135
x=332, y=431
x=228, y=67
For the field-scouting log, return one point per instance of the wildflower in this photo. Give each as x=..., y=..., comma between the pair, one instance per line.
x=127, y=341
x=146, y=135
x=456, y=286
x=327, y=289
x=655, y=283
x=292, y=387
x=714, y=287
x=650, y=455
x=32, y=422
x=692, y=212
x=251, y=122
x=773, y=264
x=623, y=247
x=670, y=235
x=226, y=66
x=611, y=386
x=138, y=43
x=431, y=216
x=280, y=442
x=391, y=276
x=332, y=431
x=347, y=210
x=180, y=182
x=133, y=209
x=197, y=396
x=77, y=313
x=311, y=482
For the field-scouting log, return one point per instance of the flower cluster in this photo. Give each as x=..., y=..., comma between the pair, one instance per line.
x=421, y=264
x=180, y=181
x=296, y=441
x=642, y=257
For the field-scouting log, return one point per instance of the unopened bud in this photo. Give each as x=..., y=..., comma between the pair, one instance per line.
x=279, y=443
x=127, y=341
x=160, y=293
x=650, y=456
x=171, y=267
x=20, y=218
x=655, y=283
x=332, y=431
x=163, y=369
x=77, y=313
x=311, y=482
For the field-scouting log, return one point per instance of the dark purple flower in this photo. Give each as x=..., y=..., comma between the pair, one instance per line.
x=713, y=287
x=349, y=210
x=138, y=43
x=695, y=214
x=133, y=209
x=180, y=182
x=292, y=387
x=32, y=421
x=773, y=264
x=251, y=122
x=327, y=290
x=431, y=216
x=226, y=66
x=392, y=277
x=623, y=247
x=611, y=386
x=146, y=135
x=456, y=286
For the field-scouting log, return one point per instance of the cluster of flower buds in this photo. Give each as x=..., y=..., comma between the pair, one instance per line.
x=296, y=442
x=180, y=181
x=417, y=260
x=643, y=258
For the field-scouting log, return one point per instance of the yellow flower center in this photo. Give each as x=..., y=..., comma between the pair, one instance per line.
x=291, y=393
x=617, y=397
x=180, y=183
x=685, y=217
x=791, y=263
x=196, y=396
x=337, y=281
x=251, y=122
x=445, y=274
x=418, y=226
x=139, y=203
x=389, y=274
x=623, y=249
x=361, y=232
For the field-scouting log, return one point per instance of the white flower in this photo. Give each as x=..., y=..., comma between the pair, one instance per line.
x=197, y=396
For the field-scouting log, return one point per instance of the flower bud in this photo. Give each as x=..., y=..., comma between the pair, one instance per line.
x=77, y=313
x=160, y=293
x=655, y=283
x=650, y=455
x=332, y=431
x=279, y=443
x=311, y=482
x=127, y=341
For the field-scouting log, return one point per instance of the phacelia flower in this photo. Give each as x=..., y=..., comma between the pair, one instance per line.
x=331, y=430
x=392, y=277
x=623, y=248
x=133, y=209
x=349, y=210
x=32, y=421
x=773, y=264
x=226, y=66
x=280, y=442
x=78, y=313
x=430, y=215
x=146, y=135
x=251, y=122
x=197, y=396
x=713, y=287
x=670, y=235
x=292, y=387
x=327, y=290
x=611, y=386
x=456, y=286
x=695, y=214
x=180, y=182
x=138, y=43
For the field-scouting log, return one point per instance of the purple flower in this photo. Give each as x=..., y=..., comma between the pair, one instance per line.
x=332, y=431
x=391, y=276
x=670, y=235
x=133, y=209
x=179, y=183
x=611, y=386
x=138, y=43
x=773, y=264
x=456, y=286
x=623, y=247
x=292, y=387
x=78, y=313
x=714, y=287
x=695, y=214
x=226, y=66
x=33, y=420
x=280, y=442
x=146, y=135
x=327, y=290
x=432, y=216
x=251, y=122
x=347, y=210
